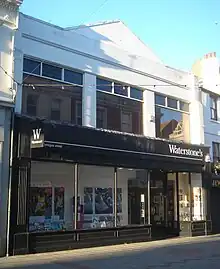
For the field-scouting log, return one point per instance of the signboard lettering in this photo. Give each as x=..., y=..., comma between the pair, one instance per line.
x=173, y=149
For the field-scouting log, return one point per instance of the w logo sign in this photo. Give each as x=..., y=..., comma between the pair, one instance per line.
x=37, y=138
x=36, y=134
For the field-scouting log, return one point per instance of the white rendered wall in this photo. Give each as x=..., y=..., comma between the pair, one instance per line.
x=149, y=114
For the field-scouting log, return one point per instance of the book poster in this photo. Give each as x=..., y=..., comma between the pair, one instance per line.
x=41, y=202
x=59, y=202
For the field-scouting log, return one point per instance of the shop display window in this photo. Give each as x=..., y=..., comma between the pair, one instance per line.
x=198, y=198
x=51, y=195
x=184, y=197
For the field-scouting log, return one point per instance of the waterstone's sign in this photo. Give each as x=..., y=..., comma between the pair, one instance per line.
x=178, y=150
x=37, y=138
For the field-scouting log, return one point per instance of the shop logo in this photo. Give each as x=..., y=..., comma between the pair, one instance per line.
x=186, y=152
x=36, y=134
x=37, y=139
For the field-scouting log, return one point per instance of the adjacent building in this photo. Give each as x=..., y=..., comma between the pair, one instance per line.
x=8, y=86
x=207, y=69
x=108, y=144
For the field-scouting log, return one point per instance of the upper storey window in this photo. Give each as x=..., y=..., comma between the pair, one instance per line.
x=119, y=88
x=172, y=118
x=52, y=71
x=213, y=107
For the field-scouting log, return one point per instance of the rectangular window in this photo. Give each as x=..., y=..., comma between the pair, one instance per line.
x=120, y=89
x=136, y=94
x=126, y=121
x=51, y=71
x=184, y=106
x=73, y=77
x=78, y=113
x=55, y=109
x=172, y=103
x=101, y=118
x=103, y=85
x=216, y=151
x=160, y=100
x=31, y=66
x=213, y=107
x=32, y=100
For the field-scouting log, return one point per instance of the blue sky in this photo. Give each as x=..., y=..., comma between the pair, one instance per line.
x=178, y=31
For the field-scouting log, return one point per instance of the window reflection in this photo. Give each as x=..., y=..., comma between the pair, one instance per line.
x=172, y=124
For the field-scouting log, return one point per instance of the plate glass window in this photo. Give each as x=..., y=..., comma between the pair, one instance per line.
x=103, y=85
x=73, y=77
x=55, y=109
x=120, y=89
x=51, y=71
x=101, y=117
x=32, y=104
x=172, y=103
x=160, y=100
x=31, y=66
x=136, y=94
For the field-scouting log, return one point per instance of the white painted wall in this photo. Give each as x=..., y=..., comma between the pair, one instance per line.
x=116, y=32
x=8, y=24
x=100, y=58
x=71, y=49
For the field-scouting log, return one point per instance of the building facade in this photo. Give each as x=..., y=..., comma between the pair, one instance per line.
x=207, y=69
x=8, y=26
x=109, y=142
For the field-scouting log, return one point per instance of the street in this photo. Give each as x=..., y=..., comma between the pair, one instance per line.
x=190, y=253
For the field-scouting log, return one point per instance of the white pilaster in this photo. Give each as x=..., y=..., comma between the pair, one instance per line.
x=89, y=101
x=196, y=113
x=149, y=114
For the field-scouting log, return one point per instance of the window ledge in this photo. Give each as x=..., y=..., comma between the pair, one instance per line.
x=215, y=121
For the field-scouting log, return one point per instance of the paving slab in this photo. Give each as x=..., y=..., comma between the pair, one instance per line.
x=178, y=253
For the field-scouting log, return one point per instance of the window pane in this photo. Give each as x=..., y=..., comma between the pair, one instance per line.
x=51, y=71
x=32, y=104
x=55, y=109
x=184, y=106
x=103, y=85
x=126, y=122
x=172, y=124
x=51, y=197
x=120, y=89
x=101, y=118
x=172, y=103
x=132, y=197
x=160, y=100
x=31, y=66
x=136, y=93
x=213, y=102
x=73, y=77
x=97, y=196
x=213, y=114
x=184, y=196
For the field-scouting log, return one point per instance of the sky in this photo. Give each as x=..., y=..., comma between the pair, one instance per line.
x=178, y=31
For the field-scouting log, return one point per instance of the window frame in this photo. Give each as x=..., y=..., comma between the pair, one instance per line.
x=122, y=123
x=53, y=110
x=55, y=67
x=217, y=156
x=39, y=65
x=28, y=105
x=104, y=109
x=78, y=117
x=214, y=100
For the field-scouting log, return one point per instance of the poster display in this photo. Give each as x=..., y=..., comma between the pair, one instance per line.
x=59, y=202
x=46, y=209
x=98, y=207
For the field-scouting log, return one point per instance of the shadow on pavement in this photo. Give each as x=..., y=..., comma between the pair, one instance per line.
x=161, y=254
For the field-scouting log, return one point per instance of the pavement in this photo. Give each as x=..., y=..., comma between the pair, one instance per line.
x=178, y=253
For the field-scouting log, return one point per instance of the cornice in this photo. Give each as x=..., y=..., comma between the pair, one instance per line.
x=11, y=5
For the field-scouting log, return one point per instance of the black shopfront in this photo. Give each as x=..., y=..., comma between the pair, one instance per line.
x=124, y=188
